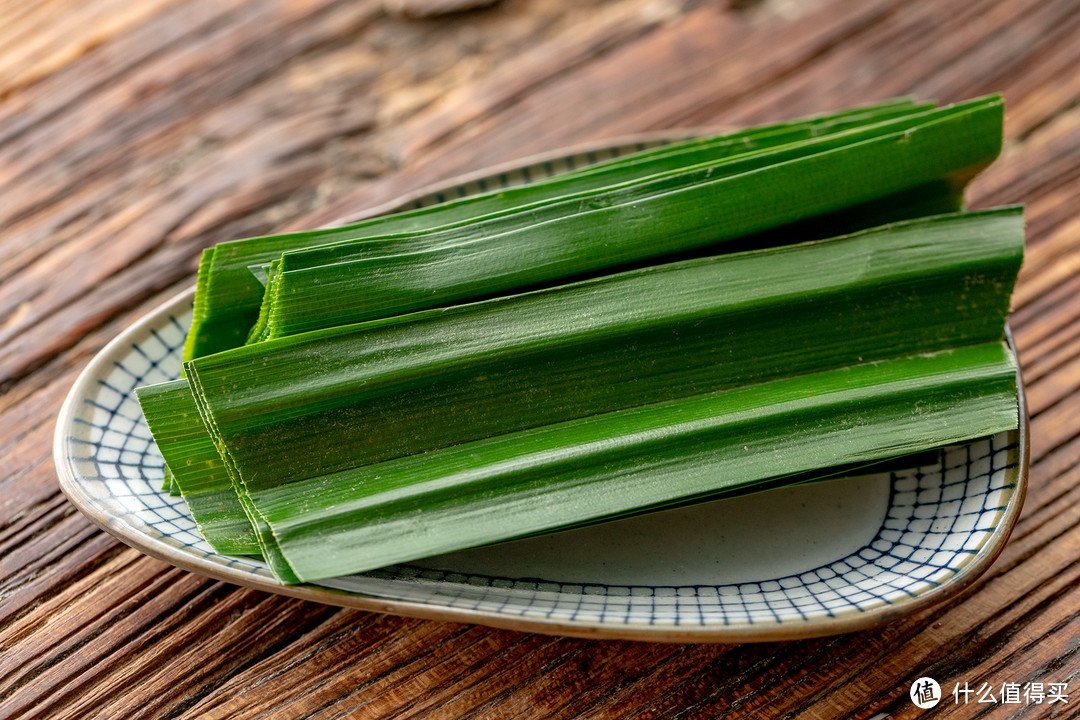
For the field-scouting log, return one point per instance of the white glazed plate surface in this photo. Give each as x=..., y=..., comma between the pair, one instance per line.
x=784, y=564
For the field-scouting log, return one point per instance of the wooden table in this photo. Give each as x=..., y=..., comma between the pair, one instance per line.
x=132, y=135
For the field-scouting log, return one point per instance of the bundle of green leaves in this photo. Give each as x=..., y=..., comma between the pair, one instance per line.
x=704, y=319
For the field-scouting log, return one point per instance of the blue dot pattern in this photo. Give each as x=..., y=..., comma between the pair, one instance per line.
x=937, y=520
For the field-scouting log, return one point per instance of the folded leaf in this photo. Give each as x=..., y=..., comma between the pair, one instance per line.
x=645, y=458
x=697, y=208
x=196, y=468
x=228, y=295
x=321, y=402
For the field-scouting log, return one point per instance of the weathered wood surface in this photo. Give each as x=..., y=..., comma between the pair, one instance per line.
x=134, y=134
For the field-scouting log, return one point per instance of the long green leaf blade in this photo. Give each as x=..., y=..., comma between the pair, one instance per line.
x=354, y=282
x=196, y=468
x=321, y=402
x=228, y=299
x=599, y=467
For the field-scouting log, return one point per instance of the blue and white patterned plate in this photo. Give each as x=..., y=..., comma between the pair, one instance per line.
x=784, y=564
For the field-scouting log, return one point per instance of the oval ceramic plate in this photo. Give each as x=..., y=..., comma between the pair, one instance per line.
x=792, y=563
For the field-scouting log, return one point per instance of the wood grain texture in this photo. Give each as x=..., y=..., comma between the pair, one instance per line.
x=132, y=135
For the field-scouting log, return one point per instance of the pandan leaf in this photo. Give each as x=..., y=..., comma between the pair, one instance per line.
x=227, y=302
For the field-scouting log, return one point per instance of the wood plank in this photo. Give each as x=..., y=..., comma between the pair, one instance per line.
x=133, y=136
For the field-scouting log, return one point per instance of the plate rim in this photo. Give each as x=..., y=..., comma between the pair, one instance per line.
x=736, y=632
